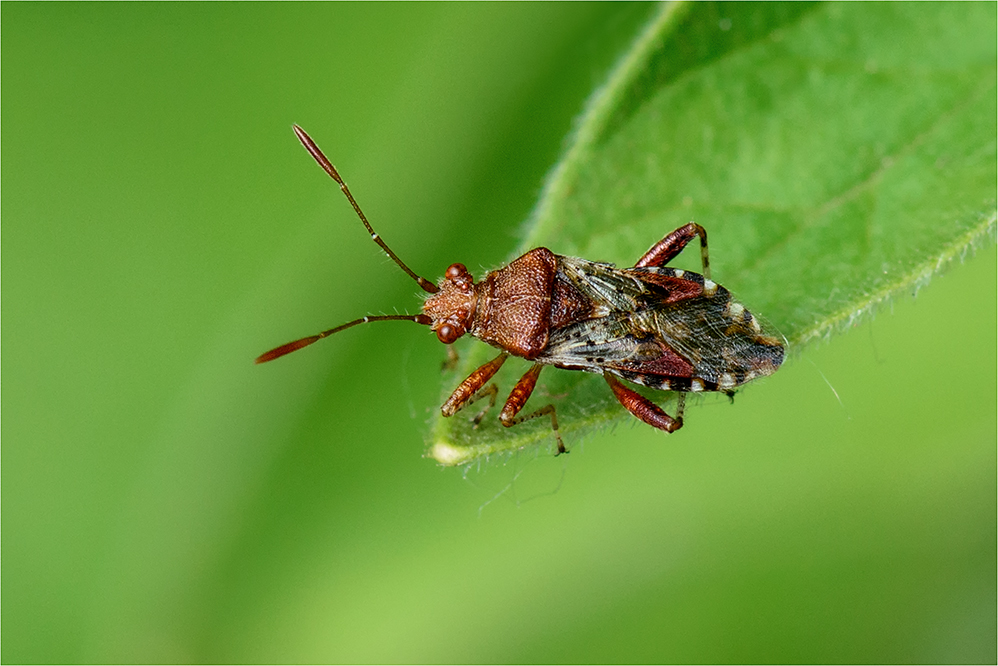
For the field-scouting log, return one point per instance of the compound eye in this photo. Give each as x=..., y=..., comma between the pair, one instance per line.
x=455, y=271
x=447, y=334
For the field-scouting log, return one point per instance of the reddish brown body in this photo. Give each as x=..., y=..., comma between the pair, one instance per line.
x=661, y=327
x=513, y=308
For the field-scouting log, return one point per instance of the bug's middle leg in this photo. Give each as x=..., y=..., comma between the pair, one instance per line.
x=666, y=249
x=518, y=398
x=645, y=409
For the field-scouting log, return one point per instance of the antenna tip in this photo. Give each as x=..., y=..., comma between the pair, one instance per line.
x=301, y=134
x=277, y=352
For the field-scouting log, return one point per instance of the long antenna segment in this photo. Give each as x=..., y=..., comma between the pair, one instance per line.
x=277, y=352
x=331, y=170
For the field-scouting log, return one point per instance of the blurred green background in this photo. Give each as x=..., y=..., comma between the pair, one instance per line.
x=166, y=500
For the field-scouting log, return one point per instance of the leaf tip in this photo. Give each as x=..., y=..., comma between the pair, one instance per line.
x=450, y=455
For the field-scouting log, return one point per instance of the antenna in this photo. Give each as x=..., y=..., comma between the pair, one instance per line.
x=278, y=352
x=331, y=170
x=423, y=319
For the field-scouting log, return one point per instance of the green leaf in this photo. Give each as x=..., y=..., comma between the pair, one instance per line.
x=837, y=154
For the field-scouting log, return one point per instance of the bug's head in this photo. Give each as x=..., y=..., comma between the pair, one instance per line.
x=453, y=307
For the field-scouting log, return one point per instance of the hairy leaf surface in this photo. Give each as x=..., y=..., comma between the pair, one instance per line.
x=837, y=154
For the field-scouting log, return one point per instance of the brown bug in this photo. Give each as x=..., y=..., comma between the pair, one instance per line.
x=664, y=328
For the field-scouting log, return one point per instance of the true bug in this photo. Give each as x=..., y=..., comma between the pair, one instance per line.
x=661, y=327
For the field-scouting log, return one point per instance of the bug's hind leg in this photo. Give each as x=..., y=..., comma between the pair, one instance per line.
x=518, y=398
x=645, y=409
x=666, y=249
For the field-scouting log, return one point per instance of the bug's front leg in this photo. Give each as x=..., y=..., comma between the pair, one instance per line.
x=518, y=398
x=469, y=390
x=645, y=409
x=666, y=249
x=452, y=359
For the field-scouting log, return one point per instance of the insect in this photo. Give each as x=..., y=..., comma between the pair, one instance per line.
x=660, y=327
